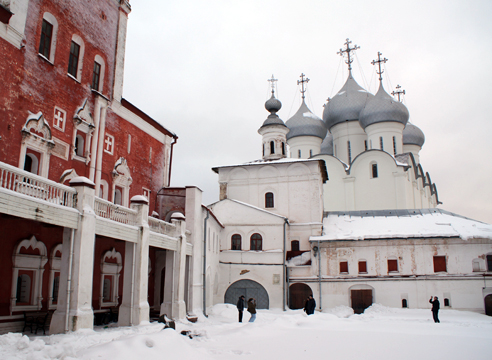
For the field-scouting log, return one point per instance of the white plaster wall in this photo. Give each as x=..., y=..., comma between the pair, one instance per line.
x=344, y=132
x=386, y=130
x=307, y=145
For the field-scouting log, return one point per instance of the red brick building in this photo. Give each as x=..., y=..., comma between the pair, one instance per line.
x=62, y=117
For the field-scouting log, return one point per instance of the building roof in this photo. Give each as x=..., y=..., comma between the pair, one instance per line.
x=400, y=224
x=412, y=135
x=305, y=123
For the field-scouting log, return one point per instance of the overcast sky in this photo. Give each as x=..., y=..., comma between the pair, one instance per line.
x=201, y=67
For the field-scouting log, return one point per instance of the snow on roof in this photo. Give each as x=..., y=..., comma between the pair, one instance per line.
x=265, y=161
x=400, y=224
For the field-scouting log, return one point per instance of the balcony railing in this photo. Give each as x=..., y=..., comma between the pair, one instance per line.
x=161, y=227
x=118, y=213
x=24, y=182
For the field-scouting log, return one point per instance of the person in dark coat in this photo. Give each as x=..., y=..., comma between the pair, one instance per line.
x=252, y=309
x=240, y=307
x=435, y=308
x=310, y=305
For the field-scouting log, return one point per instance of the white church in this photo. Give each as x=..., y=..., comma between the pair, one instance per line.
x=341, y=208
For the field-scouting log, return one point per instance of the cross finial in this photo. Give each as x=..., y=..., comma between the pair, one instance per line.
x=272, y=81
x=379, y=61
x=302, y=81
x=398, y=92
x=348, y=50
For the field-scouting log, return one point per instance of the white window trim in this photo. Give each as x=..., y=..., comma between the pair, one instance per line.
x=52, y=20
x=78, y=40
x=100, y=61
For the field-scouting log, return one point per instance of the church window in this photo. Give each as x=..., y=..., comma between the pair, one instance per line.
x=440, y=264
x=489, y=262
x=394, y=145
x=362, y=267
x=272, y=147
x=47, y=42
x=256, y=242
x=446, y=302
x=294, y=245
x=344, y=267
x=23, y=295
x=283, y=148
x=117, y=196
x=236, y=242
x=263, y=149
x=365, y=145
x=269, y=200
x=73, y=62
x=96, y=74
x=381, y=145
x=299, y=153
x=374, y=171
x=310, y=152
x=31, y=163
x=404, y=303
x=349, y=151
x=79, y=145
x=392, y=265
x=476, y=265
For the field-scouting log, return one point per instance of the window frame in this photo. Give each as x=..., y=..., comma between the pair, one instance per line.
x=362, y=266
x=77, y=40
x=50, y=19
x=374, y=170
x=343, y=265
x=256, y=242
x=438, y=261
x=394, y=265
x=236, y=242
x=269, y=200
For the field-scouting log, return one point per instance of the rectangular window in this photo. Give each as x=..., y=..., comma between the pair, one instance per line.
x=392, y=265
x=310, y=153
x=349, y=150
x=73, y=61
x=343, y=267
x=299, y=154
x=394, y=145
x=440, y=264
x=365, y=145
x=46, y=35
x=96, y=74
x=362, y=267
x=374, y=170
x=381, y=143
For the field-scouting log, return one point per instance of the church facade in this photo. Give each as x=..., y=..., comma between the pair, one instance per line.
x=358, y=213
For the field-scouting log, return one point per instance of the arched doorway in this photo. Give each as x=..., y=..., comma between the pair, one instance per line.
x=250, y=289
x=298, y=294
x=361, y=297
x=488, y=305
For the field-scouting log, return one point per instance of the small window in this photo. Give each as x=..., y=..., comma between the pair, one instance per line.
x=272, y=147
x=46, y=37
x=365, y=145
x=269, y=200
x=299, y=153
x=96, y=75
x=362, y=267
x=310, y=152
x=374, y=171
x=236, y=242
x=392, y=265
x=349, y=151
x=446, y=302
x=489, y=262
x=117, y=196
x=440, y=264
x=56, y=286
x=394, y=145
x=23, y=295
x=294, y=245
x=31, y=163
x=256, y=242
x=283, y=148
x=263, y=149
x=404, y=303
x=343, y=267
x=79, y=145
x=476, y=265
x=107, y=289
x=381, y=145
x=73, y=61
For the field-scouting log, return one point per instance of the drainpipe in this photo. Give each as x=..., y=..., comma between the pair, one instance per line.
x=284, y=280
x=171, y=161
x=69, y=280
x=205, y=263
x=319, y=275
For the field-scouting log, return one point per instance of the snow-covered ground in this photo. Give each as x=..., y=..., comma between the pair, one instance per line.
x=379, y=333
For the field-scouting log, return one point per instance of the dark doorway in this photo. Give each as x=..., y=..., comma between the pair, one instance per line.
x=361, y=300
x=250, y=289
x=298, y=294
x=488, y=305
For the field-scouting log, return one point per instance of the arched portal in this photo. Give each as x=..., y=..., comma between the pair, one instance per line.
x=250, y=289
x=298, y=294
x=488, y=305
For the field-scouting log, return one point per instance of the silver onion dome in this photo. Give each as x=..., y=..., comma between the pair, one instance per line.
x=273, y=105
x=327, y=145
x=382, y=108
x=412, y=135
x=305, y=123
x=346, y=104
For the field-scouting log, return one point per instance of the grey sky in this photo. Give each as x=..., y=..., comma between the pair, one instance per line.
x=200, y=68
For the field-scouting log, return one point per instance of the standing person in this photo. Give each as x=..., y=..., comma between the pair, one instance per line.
x=240, y=307
x=435, y=308
x=310, y=305
x=252, y=309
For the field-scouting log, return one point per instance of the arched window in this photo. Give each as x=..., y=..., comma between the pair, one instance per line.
x=47, y=43
x=294, y=245
x=76, y=57
x=269, y=200
x=79, y=145
x=381, y=145
x=236, y=242
x=111, y=265
x=404, y=303
x=394, y=145
x=374, y=170
x=117, y=196
x=283, y=148
x=263, y=149
x=31, y=163
x=446, y=302
x=256, y=242
x=272, y=147
x=365, y=144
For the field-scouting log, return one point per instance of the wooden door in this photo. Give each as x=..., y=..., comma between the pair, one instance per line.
x=298, y=294
x=361, y=300
x=488, y=305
